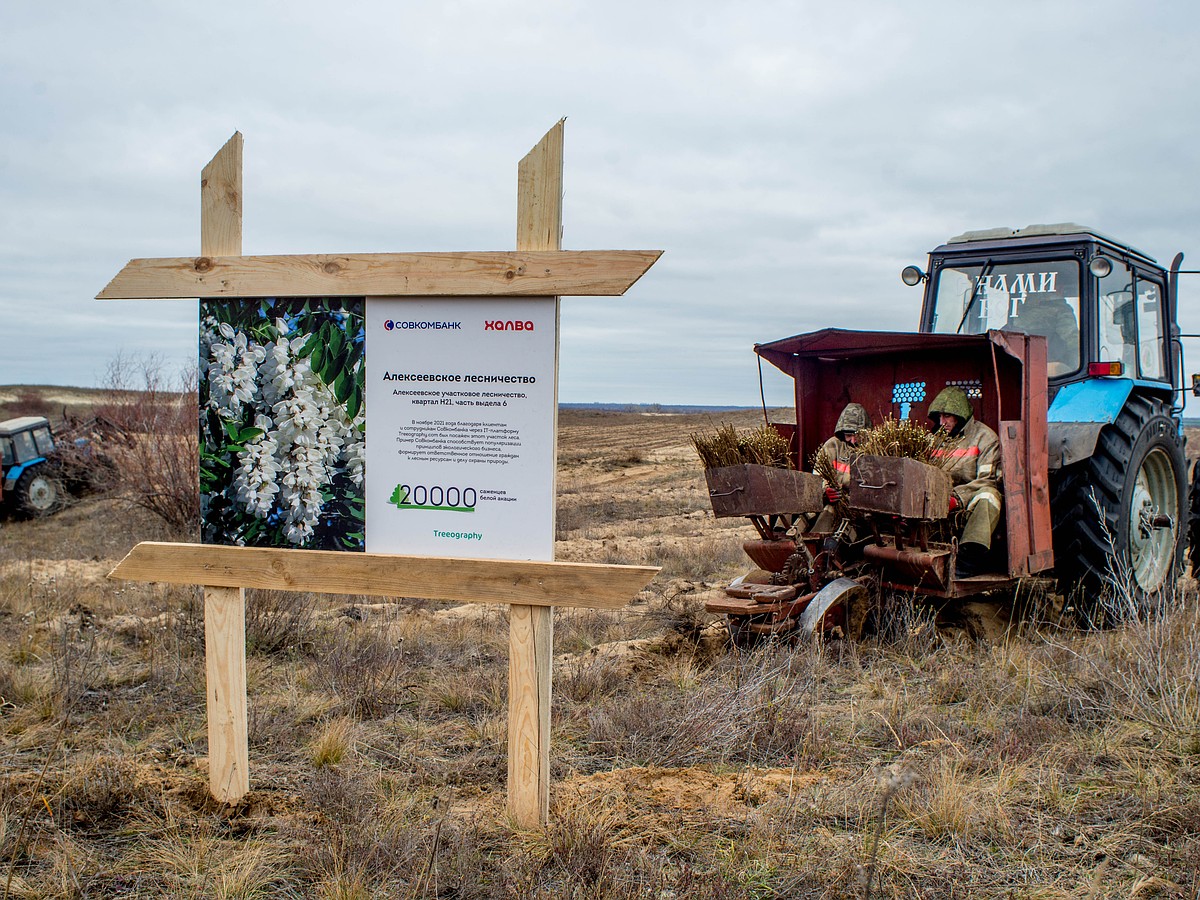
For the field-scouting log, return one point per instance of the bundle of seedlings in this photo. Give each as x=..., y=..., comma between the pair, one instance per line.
x=900, y=437
x=822, y=465
x=763, y=446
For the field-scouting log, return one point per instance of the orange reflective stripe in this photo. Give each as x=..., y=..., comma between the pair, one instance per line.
x=840, y=466
x=957, y=453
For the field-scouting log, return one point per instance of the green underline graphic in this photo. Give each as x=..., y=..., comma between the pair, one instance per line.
x=440, y=508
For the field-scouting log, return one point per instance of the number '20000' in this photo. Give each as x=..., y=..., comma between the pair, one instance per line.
x=436, y=495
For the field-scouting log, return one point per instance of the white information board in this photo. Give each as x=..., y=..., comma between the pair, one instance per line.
x=460, y=448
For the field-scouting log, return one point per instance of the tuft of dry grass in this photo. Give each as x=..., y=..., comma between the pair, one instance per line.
x=333, y=744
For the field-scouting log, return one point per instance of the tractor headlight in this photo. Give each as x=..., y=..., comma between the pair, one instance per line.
x=912, y=276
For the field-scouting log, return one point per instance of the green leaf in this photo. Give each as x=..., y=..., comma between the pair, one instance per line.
x=343, y=387
x=332, y=368
x=337, y=340
x=249, y=434
x=318, y=358
x=354, y=404
x=309, y=346
x=231, y=429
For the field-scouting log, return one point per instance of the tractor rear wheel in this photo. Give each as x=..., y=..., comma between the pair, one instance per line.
x=1194, y=521
x=38, y=492
x=1118, y=525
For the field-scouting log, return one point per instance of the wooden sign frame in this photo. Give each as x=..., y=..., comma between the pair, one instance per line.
x=538, y=268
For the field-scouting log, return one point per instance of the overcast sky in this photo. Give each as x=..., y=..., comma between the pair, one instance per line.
x=789, y=158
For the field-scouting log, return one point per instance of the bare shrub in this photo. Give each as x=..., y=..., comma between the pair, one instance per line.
x=589, y=679
x=279, y=621
x=363, y=669
x=356, y=842
x=157, y=463
x=582, y=843
x=103, y=791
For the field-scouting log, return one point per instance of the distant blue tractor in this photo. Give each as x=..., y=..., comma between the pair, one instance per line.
x=31, y=480
x=1117, y=470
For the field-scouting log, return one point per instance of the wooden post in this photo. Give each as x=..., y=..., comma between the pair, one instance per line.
x=531, y=628
x=225, y=666
x=221, y=201
x=225, y=607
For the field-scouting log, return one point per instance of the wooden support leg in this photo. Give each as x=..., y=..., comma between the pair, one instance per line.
x=530, y=645
x=225, y=662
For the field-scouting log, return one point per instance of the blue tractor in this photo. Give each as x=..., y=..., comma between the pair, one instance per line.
x=1117, y=475
x=30, y=476
x=1065, y=343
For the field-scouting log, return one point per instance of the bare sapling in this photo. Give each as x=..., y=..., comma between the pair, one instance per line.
x=157, y=461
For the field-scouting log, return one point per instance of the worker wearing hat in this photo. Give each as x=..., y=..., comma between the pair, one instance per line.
x=971, y=457
x=840, y=450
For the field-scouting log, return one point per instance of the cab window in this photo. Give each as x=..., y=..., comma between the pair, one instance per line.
x=43, y=441
x=1118, y=330
x=1131, y=322
x=25, y=448
x=1040, y=297
x=7, y=458
x=1150, y=331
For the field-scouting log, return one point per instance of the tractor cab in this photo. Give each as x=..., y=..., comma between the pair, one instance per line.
x=25, y=444
x=24, y=440
x=1105, y=308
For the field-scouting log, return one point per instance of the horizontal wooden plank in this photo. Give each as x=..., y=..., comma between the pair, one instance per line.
x=529, y=273
x=432, y=578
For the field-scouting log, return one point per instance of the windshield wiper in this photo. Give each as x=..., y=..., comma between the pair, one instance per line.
x=987, y=268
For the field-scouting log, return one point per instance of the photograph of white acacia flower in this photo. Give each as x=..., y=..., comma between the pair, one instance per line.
x=282, y=423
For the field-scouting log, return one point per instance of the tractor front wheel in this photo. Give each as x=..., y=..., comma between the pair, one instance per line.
x=38, y=493
x=1119, y=515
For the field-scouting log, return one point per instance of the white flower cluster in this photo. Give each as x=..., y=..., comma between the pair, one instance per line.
x=306, y=432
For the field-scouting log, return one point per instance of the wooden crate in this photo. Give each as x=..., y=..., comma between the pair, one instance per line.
x=899, y=486
x=752, y=490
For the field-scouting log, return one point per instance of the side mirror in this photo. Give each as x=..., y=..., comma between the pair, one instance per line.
x=1196, y=385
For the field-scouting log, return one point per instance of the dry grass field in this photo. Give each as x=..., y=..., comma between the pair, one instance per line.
x=1044, y=763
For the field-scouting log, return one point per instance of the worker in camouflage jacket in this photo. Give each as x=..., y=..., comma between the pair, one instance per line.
x=971, y=457
x=840, y=450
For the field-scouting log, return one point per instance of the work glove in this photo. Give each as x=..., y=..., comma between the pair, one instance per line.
x=955, y=503
x=832, y=495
